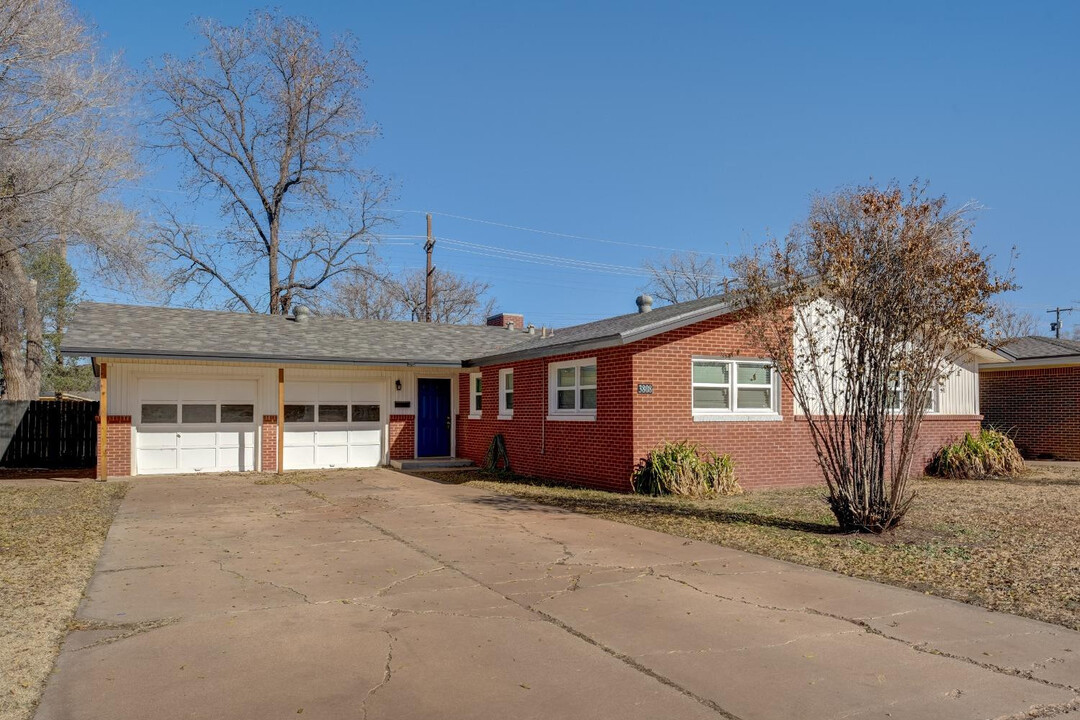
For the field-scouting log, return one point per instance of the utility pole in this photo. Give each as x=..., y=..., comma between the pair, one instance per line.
x=428, y=247
x=1055, y=327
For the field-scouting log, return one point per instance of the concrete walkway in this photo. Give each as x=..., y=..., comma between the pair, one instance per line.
x=378, y=595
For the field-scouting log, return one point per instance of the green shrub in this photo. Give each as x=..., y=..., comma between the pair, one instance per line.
x=681, y=469
x=989, y=454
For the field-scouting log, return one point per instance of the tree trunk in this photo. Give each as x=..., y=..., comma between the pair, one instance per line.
x=272, y=258
x=21, y=343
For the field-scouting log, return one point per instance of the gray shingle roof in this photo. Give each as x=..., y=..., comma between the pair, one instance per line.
x=612, y=331
x=103, y=330
x=1034, y=347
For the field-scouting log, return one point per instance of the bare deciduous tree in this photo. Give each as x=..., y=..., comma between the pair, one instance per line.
x=64, y=148
x=684, y=276
x=372, y=293
x=862, y=309
x=366, y=293
x=269, y=120
x=454, y=299
x=1009, y=322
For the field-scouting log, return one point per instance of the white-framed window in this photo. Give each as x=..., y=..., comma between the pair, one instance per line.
x=899, y=392
x=506, y=393
x=572, y=389
x=476, y=394
x=722, y=387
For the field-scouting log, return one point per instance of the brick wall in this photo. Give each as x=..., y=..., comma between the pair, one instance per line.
x=592, y=453
x=118, y=447
x=268, y=451
x=1038, y=407
x=766, y=453
x=402, y=437
x=603, y=454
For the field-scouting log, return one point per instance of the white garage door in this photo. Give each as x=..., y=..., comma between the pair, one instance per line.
x=195, y=426
x=332, y=425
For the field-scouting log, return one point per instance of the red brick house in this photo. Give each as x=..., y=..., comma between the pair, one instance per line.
x=198, y=391
x=1034, y=396
x=586, y=404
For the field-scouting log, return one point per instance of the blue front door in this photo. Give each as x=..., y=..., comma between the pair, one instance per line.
x=433, y=417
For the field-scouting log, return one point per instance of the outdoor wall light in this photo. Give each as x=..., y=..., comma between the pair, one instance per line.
x=397, y=384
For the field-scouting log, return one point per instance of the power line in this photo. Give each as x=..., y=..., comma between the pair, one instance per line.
x=562, y=261
x=569, y=236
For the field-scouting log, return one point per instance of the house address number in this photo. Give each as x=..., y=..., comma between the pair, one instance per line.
x=644, y=389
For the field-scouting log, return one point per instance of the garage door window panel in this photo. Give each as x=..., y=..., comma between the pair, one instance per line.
x=159, y=413
x=334, y=413
x=192, y=413
x=365, y=413
x=299, y=413
x=237, y=413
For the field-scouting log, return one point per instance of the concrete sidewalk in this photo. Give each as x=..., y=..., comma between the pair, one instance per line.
x=379, y=595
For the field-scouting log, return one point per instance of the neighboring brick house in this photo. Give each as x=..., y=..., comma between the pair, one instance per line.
x=198, y=391
x=590, y=401
x=1035, y=396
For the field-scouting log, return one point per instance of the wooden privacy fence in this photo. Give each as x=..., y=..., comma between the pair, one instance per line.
x=52, y=434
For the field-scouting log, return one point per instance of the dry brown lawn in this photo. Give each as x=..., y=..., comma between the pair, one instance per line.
x=1009, y=545
x=50, y=537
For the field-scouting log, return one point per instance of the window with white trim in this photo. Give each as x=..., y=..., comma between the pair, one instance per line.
x=476, y=394
x=899, y=392
x=572, y=388
x=506, y=393
x=741, y=387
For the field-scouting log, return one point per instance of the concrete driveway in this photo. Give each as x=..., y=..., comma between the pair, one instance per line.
x=373, y=594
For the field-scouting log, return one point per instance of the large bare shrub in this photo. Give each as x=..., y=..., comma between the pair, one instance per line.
x=863, y=307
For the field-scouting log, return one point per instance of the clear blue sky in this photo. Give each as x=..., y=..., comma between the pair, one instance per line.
x=693, y=125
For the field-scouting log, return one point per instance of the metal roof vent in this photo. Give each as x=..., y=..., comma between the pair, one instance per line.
x=644, y=303
x=301, y=313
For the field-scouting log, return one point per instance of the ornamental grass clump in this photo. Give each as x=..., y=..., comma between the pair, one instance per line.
x=682, y=469
x=989, y=454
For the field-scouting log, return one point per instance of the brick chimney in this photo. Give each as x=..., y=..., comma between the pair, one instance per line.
x=507, y=320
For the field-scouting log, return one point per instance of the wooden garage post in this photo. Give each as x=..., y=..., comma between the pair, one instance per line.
x=103, y=425
x=281, y=420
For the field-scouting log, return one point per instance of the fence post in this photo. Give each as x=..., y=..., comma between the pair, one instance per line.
x=103, y=425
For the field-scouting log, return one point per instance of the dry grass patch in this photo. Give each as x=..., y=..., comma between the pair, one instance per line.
x=50, y=537
x=1009, y=545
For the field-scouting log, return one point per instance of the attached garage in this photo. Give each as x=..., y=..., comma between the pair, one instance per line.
x=195, y=425
x=189, y=391
x=333, y=425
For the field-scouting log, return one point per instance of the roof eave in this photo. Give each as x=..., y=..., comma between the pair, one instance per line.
x=234, y=357
x=1036, y=362
x=606, y=341
x=679, y=321
x=546, y=351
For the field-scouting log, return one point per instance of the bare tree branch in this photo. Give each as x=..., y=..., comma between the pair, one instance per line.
x=684, y=276
x=269, y=118
x=372, y=293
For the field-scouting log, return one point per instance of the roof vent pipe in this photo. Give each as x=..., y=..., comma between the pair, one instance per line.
x=510, y=326
x=644, y=303
x=531, y=329
x=300, y=313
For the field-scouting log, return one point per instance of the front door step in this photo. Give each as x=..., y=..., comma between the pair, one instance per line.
x=431, y=464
